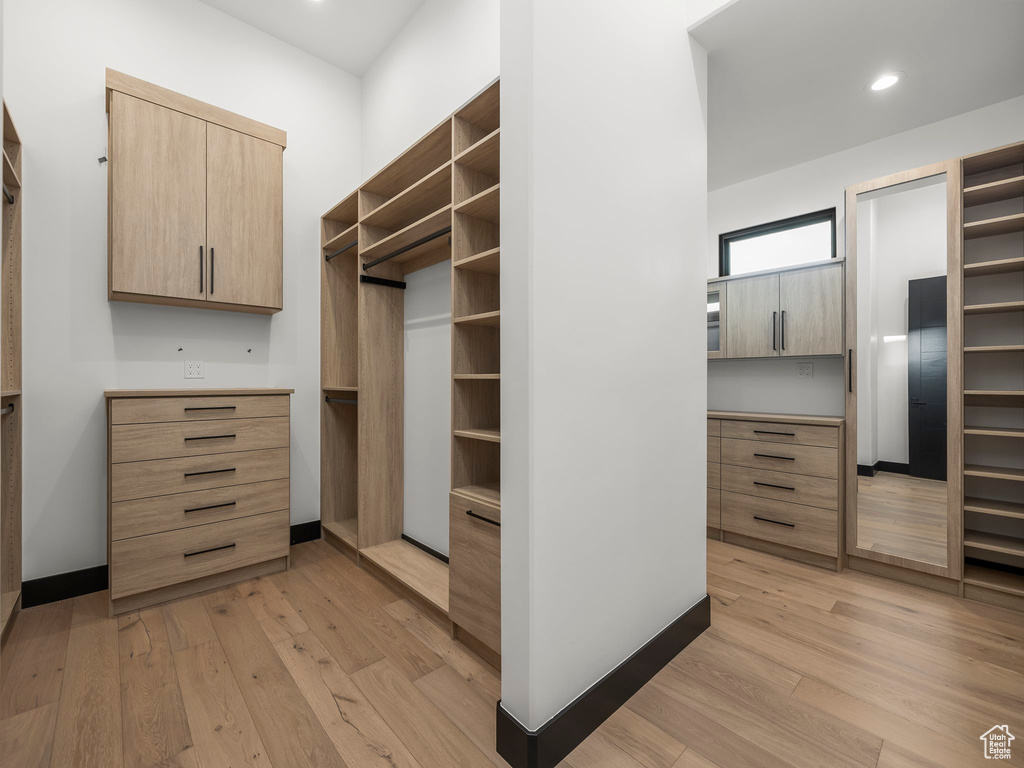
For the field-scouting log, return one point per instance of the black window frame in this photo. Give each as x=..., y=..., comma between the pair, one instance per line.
x=793, y=222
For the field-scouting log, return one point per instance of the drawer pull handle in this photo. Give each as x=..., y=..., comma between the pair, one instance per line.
x=772, y=485
x=211, y=506
x=768, y=432
x=774, y=522
x=210, y=437
x=209, y=472
x=770, y=456
x=212, y=408
x=471, y=513
x=211, y=549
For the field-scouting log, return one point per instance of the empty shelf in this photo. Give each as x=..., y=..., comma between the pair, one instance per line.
x=993, y=542
x=484, y=155
x=1001, y=225
x=430, y=193
x=997, y=348
x=489, y=435
x=412, y=567
x=994, y=431
x=345, y=530
x=487, y=261
x=997, y=508
x=10, y=177
x=347, y=211
x=990, y=578
x=10, y=393
x=995, y=473
x=484, y=318
x=340, y=389
x=485, y=205
x=418, y=161
x=477, y=376
x=488, y=493
x=992, y=309
x=342, y=239
x=996, y=398
x=428, y=225
x=1002, y=157
x=992, y=192
x=999, y=267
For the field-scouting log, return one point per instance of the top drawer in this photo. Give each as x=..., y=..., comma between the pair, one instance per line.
x=142, y=410
x=797, y=434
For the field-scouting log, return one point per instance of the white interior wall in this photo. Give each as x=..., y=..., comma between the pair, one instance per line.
x=603, y=340
x=76, y=344
x=445, y=54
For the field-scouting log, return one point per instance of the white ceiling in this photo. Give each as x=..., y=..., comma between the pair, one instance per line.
x=787, y=79
x=347, y=33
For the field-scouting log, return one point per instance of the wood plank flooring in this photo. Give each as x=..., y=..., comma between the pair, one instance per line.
x=902, y=515
x=325, y=666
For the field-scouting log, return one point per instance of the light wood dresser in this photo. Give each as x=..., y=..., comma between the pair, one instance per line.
x=776, y=482
x=197, y=490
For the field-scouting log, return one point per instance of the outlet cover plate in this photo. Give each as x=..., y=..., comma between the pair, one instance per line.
x=805, y=370
x=194, y=369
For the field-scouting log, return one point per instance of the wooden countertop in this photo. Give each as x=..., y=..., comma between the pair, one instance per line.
x=110, y=393
x=781, y=418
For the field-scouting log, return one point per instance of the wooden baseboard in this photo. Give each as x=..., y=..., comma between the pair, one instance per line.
x=904, y=575
x=781, y=550
x=489, y=655
x=429, y=609
x=714, y=533
x=341, y=545
x=993, y=597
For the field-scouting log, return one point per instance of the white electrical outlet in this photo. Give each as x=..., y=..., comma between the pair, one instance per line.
x=194, y=369
x=805, y=370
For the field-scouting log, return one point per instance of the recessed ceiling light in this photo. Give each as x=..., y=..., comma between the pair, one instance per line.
x=886, y=81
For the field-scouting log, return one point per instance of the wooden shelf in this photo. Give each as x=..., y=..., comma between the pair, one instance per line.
x=10, y=177
x=10, y=132
x=477, y=376
x=997, y=508
x=430, y=193
x=7, y=602
x=347, y=211
x=996, y=348
x=998, y=267
x=340, y=389
x=1005, y=189
x=993, y=542
x=990, y=578
x=485, y=206
x=412, y=567
x=429, y=153
x=992, y=309
x=994, y=431
x=484, y=318
x=994, y=473
x=483, y=156
x=1001, y=225
x=488, y=262
x=989, y=160
x=487, y=493
x=344, y=237
x=10, y=393
x=488, y=435
x=345, y=530
x=416, y=231
x=994, y=398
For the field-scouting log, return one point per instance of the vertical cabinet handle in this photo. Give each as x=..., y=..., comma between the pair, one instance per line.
x=849, y=370
x=201, y=269
x=782, y=321
x=211, y=270
x=775, y=347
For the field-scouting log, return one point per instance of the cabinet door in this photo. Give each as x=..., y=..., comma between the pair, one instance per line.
x=716, y=321
x=811, y=312
x=244, y=219
x=157, y=200
x=752, y=317
x=474, y=569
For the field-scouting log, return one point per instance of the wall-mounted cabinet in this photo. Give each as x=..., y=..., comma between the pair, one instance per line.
x=194, y=202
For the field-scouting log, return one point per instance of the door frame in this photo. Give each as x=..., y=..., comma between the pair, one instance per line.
x=954, y=369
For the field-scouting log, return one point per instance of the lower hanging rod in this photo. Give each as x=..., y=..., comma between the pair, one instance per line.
x=409, y=247
x=8, y=409
x=382, y=281
x=340, y=401
x=8, y=195
x=341, y=250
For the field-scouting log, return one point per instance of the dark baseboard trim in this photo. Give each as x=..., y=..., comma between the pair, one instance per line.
x=63, y=586
x=559, y=736
x=425, y=548
x=867, y=470
x=870, y=470
x=305, y=532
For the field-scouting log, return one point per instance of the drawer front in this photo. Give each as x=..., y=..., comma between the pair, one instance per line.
x=141, y=442
x=714, y=427
x=797, y=489
x=714, y=508
x=714, y=475
x=714, y=449
x=142, y=517
x=797, y=434
x=474, y=571
x=145, y=410
x=794, y=525
x=142, y=479
x=151, y=562
x=798, y=459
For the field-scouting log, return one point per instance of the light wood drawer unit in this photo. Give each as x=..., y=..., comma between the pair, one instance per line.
x=797, y=459
x=136, y=410
x=475, y=570
x=139, y=442
x=793, y=525
x=714, y=508
x=798, y=489
x=797, y=434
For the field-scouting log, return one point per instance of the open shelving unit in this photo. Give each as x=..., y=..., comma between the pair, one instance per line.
x=993, y=393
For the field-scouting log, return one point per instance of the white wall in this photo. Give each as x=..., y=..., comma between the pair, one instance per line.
x=445, y=53
x=603, y=340
x=76, y=343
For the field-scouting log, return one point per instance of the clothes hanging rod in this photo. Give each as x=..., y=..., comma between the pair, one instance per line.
x=8, y=409
x=8, y=195
x=408, y=247
x=382, y=281
x=340, y=401
x=343, y=248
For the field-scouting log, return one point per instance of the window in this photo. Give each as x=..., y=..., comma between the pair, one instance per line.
x=797, y=240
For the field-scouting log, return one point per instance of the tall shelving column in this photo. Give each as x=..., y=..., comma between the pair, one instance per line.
x=993, y=282
x=10, y=379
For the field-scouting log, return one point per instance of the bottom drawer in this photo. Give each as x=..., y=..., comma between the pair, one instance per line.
x=795, y=525
x=150, y=562
x=714, y=508
x=474, y=570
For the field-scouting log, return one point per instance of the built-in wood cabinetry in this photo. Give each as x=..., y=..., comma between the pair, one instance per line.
x=194, y=202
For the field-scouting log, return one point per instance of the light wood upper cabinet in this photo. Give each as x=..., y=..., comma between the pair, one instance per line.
x=194, y=202
x=244, y=218
x=157, y=200
x=753, y=316
x=811, y=312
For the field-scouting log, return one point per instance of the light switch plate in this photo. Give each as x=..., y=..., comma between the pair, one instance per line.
x=803, y=370
x=194, y=369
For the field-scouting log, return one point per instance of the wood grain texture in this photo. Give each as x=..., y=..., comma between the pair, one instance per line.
x=794, y=459
x=142, y=442
x=753, y=317
x=811, y=317
x=475, y=572
x=796, y=489
x=274, y=613
x=26, y=740
x=794, y=525
x=152, y=405
x=781, y=432
x=34, y=658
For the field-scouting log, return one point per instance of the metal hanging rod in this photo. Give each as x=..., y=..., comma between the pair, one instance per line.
x=408, y=247
x=382, y=281
x=8, y=195
x=341, y=250
x=8, y=409
x=340, y=401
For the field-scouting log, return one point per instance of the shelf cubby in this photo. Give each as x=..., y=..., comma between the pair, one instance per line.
x=339, y=347
x=994, y=191
x=10, y=175
x=341, y=218
x=994, y=398
x=994, y=542
x=476, y=407
x=475, y=462
x=993, y=159
x=484, y=205
x=994, y=507
x=479, y=118
x=339, y=438
x=418, y=162
x=431, y=193
x=995, y=267
x=474, y=293
x=488, y=262
x=1001, y=225
x=381, y=242
x=994, y=473
x=476, y=349
x=994, y=308
x=484, y=156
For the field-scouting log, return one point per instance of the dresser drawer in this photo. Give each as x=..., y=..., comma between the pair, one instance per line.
x=714, y=475
x=797, y=489
x=474, y=570
x=141, y=442
x=714, y=450
x=144, y=410
x=798, y=459
x=714, y=508
x=151, y=562
x=142, y=479
x=795, y=525
x=797, y=434
x=142, y=517
x=714, y=428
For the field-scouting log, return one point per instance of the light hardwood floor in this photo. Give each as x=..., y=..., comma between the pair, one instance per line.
x=902, y=515
x=324, y=666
